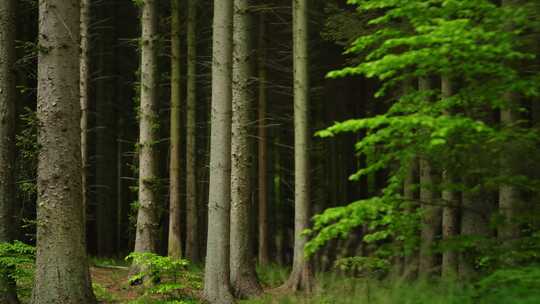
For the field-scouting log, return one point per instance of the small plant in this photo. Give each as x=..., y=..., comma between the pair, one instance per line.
x=102, y=294
x=17, y=263
x=164, y=277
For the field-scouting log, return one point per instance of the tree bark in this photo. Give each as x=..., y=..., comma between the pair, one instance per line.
x=147, y=234
x=175, y=225
x=217, y=288
x=432, y=214
x=84, y=98
x=475, y=221
x=451, y=200
x=8, y=97
x=243, y=277
x=509, y=195
x=301, y=277
x=263, y=147
x=410, y=194
x=510, y=200
x=192, y=222
x=62, y=275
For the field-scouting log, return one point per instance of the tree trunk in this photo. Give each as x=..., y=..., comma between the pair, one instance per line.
x=301, y=277
x=451, y=201
x=410, y=194
x=475, y=222
x=8, y=96
x=263, y=147
x=509, y=195
x=84, y=98
x=175, y=238
x=243, y=277
x=432, y=214
x=105, y=132
x=216, y=279
x=147, y=233
x=510, y=200
x=192, y=223
x=62, y=275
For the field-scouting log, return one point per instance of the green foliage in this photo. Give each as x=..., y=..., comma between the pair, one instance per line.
x=515, y=285
x=272, y=275
x=164, y=277
x=138, y=3
x=472, y=44
x=102, y=294
x=508, y=286
x=17, y=263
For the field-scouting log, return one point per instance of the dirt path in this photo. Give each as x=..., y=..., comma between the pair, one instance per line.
x=115, y=282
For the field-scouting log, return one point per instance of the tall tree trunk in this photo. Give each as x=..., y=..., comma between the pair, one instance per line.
x=301, y=276
x=7, y=135
x=175, y=236
x=277, y=206
x=476, y=214
x=105, y=132
x=410, y=194
x=62, y=275
x=147, y=232
x=243, y=277
x=216, y=279
x=509, y=195
x=263, y=147
x=431, y=218
x=192, y=222
x=451, y=200
x=84, y=98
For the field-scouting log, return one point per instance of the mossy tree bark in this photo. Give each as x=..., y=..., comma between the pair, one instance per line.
x=7, y=135
x=147, y=234
x=192, y=217
x=175, y=223
x=62, y=275
x=243, y=277
x=217, y=289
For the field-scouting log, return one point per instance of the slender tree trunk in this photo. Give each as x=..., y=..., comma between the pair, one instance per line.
x=263, y=147
x=451, y=200
x=147, y=233
x=301, y=277
x=432, y=214
x=410, y=193
x=84, y=98
x=476, y=214
x=217, y=288
x=62, y=275
x=243, y=277
x=105, y=132
x=192, y=222
x=175, y=238
x=8, y=96
x=279, y=227
x=509, y=195
x=510, y=200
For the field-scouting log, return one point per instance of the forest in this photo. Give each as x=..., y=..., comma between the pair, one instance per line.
x=278, y=151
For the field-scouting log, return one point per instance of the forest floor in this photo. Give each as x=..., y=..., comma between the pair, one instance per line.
x=111, y=285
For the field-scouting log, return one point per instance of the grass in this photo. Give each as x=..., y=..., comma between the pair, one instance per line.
x=513, y=286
